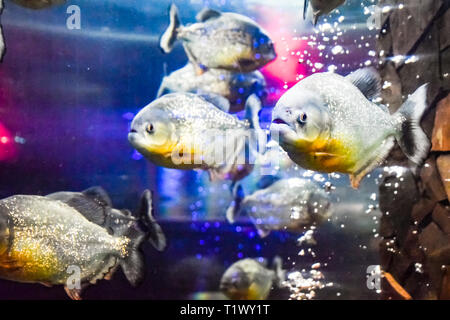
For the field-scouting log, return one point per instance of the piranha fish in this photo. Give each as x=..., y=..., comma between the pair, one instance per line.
x=220, y=40
x=185, y=131
x=327, y=123
x=47, y=239
x=292, y=204
x=317, y=8
x=234, y=86
x=249, y=279
x=2, y=40
x=38, y=4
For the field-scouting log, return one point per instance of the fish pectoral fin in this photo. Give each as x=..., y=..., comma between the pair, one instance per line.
x=10, y=264
x=327, y=154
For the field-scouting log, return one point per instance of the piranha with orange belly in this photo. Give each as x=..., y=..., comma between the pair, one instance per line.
x=327, y=123
x=47, y=239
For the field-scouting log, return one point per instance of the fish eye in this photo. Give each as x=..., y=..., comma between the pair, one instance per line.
x=302, y=118
x=149, y=128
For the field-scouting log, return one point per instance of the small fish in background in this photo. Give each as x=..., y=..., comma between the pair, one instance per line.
x=234, y=86
x=249, y=279
x=328, y=123
x=220, y=40
x=38, y=4
x=185, y=131
x=42, y=238
x=282, y=204
x=313, y=9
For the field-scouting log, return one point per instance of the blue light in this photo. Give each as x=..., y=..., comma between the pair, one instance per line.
x=128, y=116
x=136, y=155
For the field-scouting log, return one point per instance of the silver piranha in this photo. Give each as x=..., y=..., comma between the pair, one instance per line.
x=220, y=40
x=73, y=239
x=327, y=123
x=234, y=86
x=317, y=8
x=185, y=131
x=287, y=204
x=249, y=279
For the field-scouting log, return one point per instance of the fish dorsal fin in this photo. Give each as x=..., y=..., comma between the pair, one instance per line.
x=98, y=194
x=92, y=208
x=207, y=14
x=217, y=100
x=367, y=80
x=267, y=181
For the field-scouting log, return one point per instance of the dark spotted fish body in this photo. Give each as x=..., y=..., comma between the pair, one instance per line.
x=43, y=240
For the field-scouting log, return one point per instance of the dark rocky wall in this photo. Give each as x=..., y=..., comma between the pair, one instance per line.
x=414, y=48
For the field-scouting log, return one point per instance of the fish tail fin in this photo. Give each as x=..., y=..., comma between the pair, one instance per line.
x=233, y=209
x=410, y=136
x=133, y=265
x=280, y=273
x=152, y=229
x=170, y=35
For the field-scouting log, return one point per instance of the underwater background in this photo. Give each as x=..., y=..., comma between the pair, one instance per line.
x=67, y=98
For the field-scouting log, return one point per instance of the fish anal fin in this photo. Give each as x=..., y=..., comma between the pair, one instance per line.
x=380, y=155
x=355, y=181
x=74, y=294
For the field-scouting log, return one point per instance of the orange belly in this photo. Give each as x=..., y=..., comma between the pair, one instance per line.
x=327, y=155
